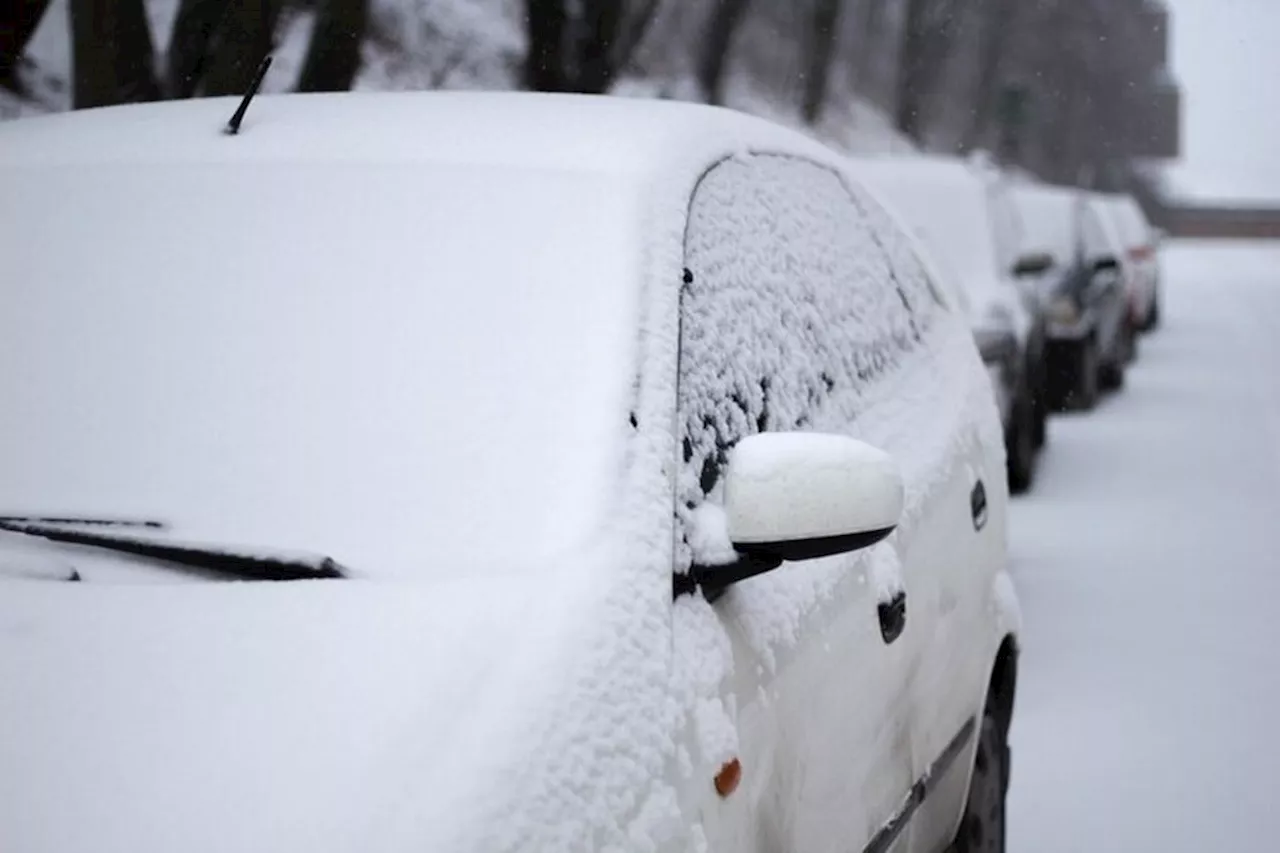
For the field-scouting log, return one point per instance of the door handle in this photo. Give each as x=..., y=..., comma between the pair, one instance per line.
x=893, y=617
x=978, y=505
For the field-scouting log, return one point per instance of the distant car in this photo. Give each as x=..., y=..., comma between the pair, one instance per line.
x=615, y=460
x=961, y=214
x=1139, y=260
x=1089, y=332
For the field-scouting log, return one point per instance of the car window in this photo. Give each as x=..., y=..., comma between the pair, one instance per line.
x=1095, y=237
x=791, y=308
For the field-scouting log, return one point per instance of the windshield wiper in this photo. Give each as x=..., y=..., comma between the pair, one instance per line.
x=150, y=524
x=237, y=564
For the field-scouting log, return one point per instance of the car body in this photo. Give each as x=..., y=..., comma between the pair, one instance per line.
x=1140, y=259
x=1087, y=306
x=542, y=379
x=960, y=212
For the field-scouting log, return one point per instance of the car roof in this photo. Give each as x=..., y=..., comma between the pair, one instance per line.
x=573, y=132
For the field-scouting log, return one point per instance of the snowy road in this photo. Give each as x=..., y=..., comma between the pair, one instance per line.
x=1148, y=562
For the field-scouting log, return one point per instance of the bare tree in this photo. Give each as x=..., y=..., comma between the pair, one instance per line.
x=246, y=36
x=18, y=22
x=112, y=53
x=826, y=20
x=927, y=31
x=189, y=42
x=333, y=56
x=716, y=43
x=545, y=68
x=871, y=27
x=996, y=30
x=586, y=52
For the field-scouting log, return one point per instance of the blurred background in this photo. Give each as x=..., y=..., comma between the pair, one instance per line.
x=1076, y=92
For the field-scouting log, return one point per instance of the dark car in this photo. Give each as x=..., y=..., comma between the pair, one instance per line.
x=1090, y=339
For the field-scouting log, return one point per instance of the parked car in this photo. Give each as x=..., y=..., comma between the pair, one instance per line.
x=1140, y=261
x=962, y=215
x=630, y=484
x=1089, y=334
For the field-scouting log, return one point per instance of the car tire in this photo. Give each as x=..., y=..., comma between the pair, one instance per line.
x=1041, y=401
x=1084, y=389
x=1021, y=445
x=1129, y=348
x=1111, y=376
x=982, y=827
x=1153, y=315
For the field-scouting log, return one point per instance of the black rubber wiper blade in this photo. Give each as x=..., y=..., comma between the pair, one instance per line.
x=237, y=564
x=149, y=524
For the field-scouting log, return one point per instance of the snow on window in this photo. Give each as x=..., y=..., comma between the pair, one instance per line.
x=790, y=310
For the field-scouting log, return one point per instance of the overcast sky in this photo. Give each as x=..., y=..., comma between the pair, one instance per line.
x=1226, y=55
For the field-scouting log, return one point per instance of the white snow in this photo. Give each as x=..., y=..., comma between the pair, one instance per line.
x=1046, y=220
x=215, y=369
x=581, y=681
x=1146, y=562
x=948, y=204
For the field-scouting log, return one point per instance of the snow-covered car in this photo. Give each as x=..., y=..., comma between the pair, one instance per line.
x=1087, y=312
x=1140, y=260
x=625, y=482
x=961, y=213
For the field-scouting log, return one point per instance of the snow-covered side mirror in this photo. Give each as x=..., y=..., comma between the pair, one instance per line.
x=799, y=496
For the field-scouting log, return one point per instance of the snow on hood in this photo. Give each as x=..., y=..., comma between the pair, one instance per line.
x=306, y=716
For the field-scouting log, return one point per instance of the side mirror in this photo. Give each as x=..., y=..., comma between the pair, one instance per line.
x=799, y=496
x=1032, y=265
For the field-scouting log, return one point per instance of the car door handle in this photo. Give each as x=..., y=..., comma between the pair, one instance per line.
x=893, y=617
x=978, y=505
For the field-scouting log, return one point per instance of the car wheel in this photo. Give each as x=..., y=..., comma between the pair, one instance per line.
x=1153, y=315
x=982, y=828
x=1041, y=400
x=1084, y=394
x=1129, y=346
x=1111, y=376
x=1021, y=445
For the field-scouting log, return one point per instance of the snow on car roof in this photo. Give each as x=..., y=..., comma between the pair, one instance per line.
x=1047, y=220
x=574, y=132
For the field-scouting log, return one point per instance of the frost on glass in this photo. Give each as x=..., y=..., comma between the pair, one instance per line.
x=792, y=308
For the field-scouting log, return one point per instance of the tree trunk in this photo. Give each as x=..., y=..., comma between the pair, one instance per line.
x=544, y=65
x=596, y=54
x=112, y=53
x=189, y=44
x=246, y=36
x=716, y=44
x=826, y=19
x=871, y=34
x=333, y=57
x=18, y=22
x=996, y=27
x=926, y=42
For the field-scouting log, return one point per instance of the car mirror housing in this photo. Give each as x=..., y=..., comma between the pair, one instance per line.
x=1033, y=265
x=792, y=496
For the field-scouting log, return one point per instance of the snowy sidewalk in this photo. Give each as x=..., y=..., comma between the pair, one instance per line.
x=1148, y=562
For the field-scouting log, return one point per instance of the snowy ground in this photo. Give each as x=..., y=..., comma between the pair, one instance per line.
x=1148, y=561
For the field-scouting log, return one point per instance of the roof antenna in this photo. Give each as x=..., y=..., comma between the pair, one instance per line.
x=233, y=126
